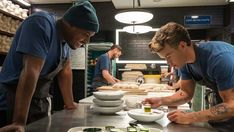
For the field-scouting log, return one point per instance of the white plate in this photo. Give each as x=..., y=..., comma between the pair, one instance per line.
x=106, y=110
x=80, y=129
x=108, y=95
x=140, y=115
x=107, y=102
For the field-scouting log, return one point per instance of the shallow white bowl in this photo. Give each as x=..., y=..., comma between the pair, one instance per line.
x=106, y=110
x=107, y=102
x=140, y=115
x=108, y=95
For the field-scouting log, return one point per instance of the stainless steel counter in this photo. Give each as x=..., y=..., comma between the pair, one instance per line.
x=62, y=121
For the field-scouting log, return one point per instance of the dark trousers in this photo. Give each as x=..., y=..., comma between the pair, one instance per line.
x=3, y=107
x=3, y=118
x=223, y=126
x=38, y=108
x=97, y=84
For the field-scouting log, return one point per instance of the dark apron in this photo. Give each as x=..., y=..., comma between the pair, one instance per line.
x=98, y=82
x=213, y=98
x=41, y=101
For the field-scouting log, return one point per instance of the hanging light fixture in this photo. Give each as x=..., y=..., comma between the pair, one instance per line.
x=134, y=16
x=137, y=29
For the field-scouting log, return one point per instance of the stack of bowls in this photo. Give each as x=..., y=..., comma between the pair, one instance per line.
x=108, y=102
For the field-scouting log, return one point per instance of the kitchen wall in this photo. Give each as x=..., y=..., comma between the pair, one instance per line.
x=230, y=18
x=135, y=46
x=217, y=30
x=106, y=12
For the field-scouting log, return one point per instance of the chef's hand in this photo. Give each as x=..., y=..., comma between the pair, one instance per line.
x=74, y=105
x=164, y=75
x=154, y=102
x=180, y=117
x=12, y=128
x=168, y=87
x=116, y=80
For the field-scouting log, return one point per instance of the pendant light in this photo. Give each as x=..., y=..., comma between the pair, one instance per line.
x=134, y=16
x=137, y=29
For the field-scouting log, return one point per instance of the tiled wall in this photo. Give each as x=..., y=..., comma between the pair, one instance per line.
x=106, y=12
x=135, y=46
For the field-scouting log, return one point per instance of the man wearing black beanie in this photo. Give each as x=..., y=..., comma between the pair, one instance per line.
x=39, y=52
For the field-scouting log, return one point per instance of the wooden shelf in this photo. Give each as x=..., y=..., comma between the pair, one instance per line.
x=3, y=53
x=11, y=15
x=6, y=33
x=150, y=70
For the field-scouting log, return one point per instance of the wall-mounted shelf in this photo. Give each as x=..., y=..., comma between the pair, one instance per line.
x=144, y=71
x=91, y=65
x=3, y=53
x=11, y=15
x=6, y=33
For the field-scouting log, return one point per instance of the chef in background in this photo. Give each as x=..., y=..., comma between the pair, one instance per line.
x=102, y=75
x=39, y=52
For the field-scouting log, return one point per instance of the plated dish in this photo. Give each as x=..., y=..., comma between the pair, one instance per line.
x=140, y=115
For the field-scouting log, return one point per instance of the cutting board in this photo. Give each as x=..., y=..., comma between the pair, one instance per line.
x=127, y=91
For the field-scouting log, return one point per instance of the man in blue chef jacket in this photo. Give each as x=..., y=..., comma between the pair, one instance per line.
x=102, y=75
x=39, y=52
x=208, y=63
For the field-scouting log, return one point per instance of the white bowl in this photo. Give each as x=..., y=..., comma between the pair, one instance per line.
x=106, y=110
x=140, y=115
x=108, y=95
x=107, y=102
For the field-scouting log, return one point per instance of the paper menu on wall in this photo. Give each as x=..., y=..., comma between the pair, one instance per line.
x=78, y=58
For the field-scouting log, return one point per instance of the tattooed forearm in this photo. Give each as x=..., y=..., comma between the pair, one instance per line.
x=181, y=93
x=183, y=96
x=178, y=98
x=219, y=109
x=232, y=92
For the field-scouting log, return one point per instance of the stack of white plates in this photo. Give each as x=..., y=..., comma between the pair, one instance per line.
x=108, y=102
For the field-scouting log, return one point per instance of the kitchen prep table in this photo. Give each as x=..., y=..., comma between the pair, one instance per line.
x=63, y=120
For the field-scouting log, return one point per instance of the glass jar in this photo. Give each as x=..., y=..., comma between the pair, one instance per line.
x=147, y=108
